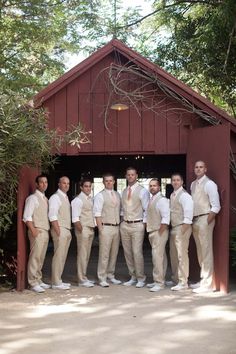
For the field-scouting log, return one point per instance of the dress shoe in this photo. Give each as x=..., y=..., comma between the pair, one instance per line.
x=38, y=289
x=45, y=286
x=86, y=284
x=157, y=287
x=151, y=285
x=61, y=286
x=179, y=287
x=130, y=282
x=115, y=281
x=140, y=284
x=202, y=290
x=170, y=283
x=104, y=284
x=195, y=285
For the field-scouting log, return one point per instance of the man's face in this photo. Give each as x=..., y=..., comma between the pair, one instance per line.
x=200, y=169
x=131, y=176
x=64, y=184
x=109, y=182
x=176, y=182
x=154, y=187
x=86, y=188
x=42, y=184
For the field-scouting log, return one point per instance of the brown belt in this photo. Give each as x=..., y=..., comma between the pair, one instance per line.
x=198, y=216
x=106, y=224
x=133, y=222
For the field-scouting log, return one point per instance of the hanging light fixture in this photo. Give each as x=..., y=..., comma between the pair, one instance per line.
x=119, y=107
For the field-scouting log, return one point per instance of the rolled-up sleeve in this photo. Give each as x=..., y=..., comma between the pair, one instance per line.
x=98, y=205
x=76, y=206
x=144, y=197
x=212, y=192
x=30, y=204
x=187, y=204
x=163, y=206
x=54, y=205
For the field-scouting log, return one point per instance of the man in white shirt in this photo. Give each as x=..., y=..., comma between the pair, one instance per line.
x=206, y=207
x=181, y=215
x=83, y=220
x=60, y=218
x=135, y=199
x=36, y=218
x=158, y=219
x=107, y=214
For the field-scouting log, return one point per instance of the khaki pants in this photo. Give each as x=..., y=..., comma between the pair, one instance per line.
x=132, y=236
x=38, y=249
x=179, y=244
x=84, y=244
x=159, y=258
x=109, y=242
x=203, y=236
x=61, y=245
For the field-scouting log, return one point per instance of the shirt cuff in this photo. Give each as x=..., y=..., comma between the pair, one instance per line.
x=27, y=219
x=53, y=218
x=187, y=221
x=215, y=210
x=75, y=220
x=97, y=215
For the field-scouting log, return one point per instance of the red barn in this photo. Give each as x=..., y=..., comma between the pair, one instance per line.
x=164, y=128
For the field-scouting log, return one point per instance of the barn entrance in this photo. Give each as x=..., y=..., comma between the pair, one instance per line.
x=75, y=167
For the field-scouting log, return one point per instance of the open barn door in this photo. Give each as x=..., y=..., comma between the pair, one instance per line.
x=212, y=145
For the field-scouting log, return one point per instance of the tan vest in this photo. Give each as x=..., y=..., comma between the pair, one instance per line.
x=110, y=211
x=40, y=215
x=201, y=203
x=64, y=213
x=132, y=208
x=86, y=216
x=153, y=215
x=176, y=210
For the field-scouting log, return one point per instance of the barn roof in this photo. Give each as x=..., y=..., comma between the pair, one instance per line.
x=170, y=81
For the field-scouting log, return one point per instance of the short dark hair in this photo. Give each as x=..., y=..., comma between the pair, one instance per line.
x=108, y=174
x=177, y=174
x=84, y=180
x=39, y=177
x=156, y=180
x=131, y=168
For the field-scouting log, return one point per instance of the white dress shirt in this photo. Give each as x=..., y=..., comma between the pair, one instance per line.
x=99, y=201
x=211, y=190
x=144, y=197
x=162, y=206
x=76, y=205
x=55, y=204
x=186, y=202
x=30, y=204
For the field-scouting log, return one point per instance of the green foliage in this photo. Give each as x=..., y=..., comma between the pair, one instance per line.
x=196, y=42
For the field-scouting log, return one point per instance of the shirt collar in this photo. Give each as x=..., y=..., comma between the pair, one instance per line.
x=200, y=180
x=85, y=195
x=156, y=195
x=178, y=190
x=109, y=190
x=41, y=194
x=134, y=186
x=62, y=193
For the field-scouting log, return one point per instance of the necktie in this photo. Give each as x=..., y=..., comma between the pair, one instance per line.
x=129, y=193
x=113, y=197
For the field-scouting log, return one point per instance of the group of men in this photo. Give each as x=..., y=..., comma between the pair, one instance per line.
x=124, y=217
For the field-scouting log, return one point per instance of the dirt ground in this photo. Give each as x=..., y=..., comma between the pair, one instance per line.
x=116, y=320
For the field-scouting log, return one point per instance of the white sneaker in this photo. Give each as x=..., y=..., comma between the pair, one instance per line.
x=91, y=281
x=104, y=284
x=157, y=287
x=115, y=281
x=202, y=290
x=130, y=282
x=195, y=285
x=67, y=284
x=140, y=284
x=151, y=285
x=38, y=289
x=61, y=286
x=87, y=284
x=45, y=286
x=179, y=287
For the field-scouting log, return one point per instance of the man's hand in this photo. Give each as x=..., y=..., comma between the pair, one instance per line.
x=78, y=226
x=185, y=227
x=33, y=230
x=56, y=227
x=211, y=217
x=163, y=227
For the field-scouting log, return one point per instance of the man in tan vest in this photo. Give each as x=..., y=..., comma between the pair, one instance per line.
x=107, y=214
x=60, y=218
x=158, y=219
x=36, y=218
x=83, y=220
x=206, y=206
x=181, y=215
x=135, y=199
